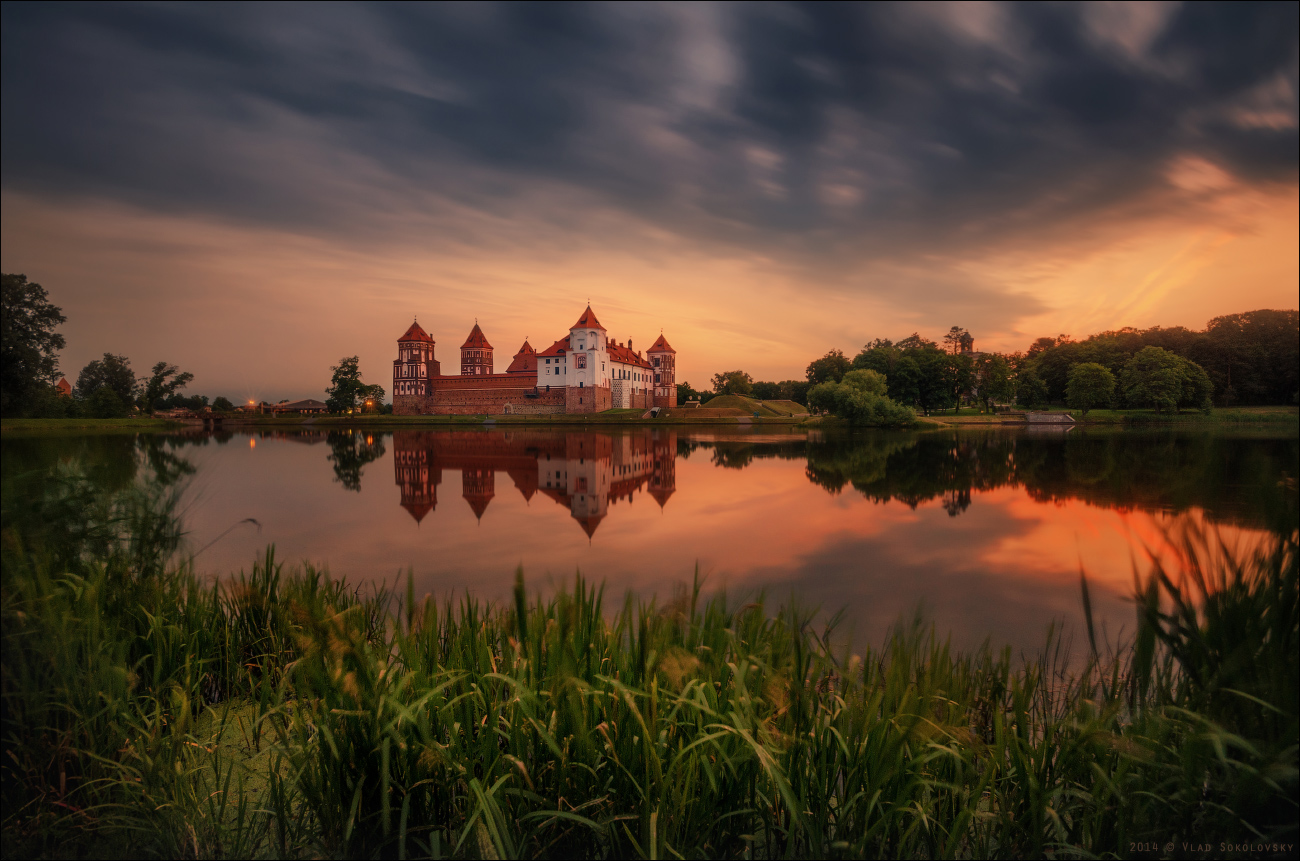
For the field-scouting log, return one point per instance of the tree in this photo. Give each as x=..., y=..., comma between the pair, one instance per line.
x=347, y=392
x=222, y=404
x=1091, y=385
x=105, y=403
x=685, y=392
x=830, y=367
x=860, y=399
x=1031, y=391
x=28, y=344
x=994, y=381
x=1157, y=378
x=767, y=391
x=957, y=339
x=794, y=390
x=905, y=381
x=111, y=371
x=165, y=380
x=869, y=382
x=733, y=383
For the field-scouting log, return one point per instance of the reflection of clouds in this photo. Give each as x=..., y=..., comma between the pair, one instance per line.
x=1004, y=569
x=950, y=568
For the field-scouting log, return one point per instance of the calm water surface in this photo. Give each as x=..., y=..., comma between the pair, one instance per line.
x=986, y=530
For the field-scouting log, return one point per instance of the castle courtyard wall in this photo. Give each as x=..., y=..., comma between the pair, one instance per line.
x=482, y=395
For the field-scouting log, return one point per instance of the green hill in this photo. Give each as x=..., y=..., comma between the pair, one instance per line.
x=749, y=406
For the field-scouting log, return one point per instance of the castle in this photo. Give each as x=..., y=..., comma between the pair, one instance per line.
x=583, y=472
x=584, y=372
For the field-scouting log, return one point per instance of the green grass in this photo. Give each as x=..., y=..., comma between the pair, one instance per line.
x=83, y=424
x=1219, y=415
x=148, y=712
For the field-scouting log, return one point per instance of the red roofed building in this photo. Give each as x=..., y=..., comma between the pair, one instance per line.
x=525, y=361
x=415, y=364
x=476, y=353
x=584, y=372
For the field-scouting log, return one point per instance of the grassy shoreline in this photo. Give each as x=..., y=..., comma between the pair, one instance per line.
x=1278, y=416
x=288, y=714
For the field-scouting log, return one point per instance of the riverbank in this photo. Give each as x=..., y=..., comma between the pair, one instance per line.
x=630, y=418
x=289, y=714
x=1280, y=415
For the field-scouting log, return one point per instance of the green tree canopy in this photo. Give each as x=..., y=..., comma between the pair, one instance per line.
x=1157, y=378
x=861, y=400
x=1091, y=385
x=347, y=391
x=767, y=391
x=993, y=380
x=830, y=367
x=794, y=390
x=733, y=383
x=222, y=404
x=164, y=380
x=868, y=382
x=113, y=372
x=29, y=345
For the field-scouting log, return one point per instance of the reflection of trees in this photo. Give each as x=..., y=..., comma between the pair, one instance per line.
x=350, y=452
x=1231, y=478
x=167, y=466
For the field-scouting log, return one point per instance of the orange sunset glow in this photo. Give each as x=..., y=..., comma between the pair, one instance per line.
x=760, y=191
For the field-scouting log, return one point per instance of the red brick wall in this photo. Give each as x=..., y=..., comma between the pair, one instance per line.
x=583, y=400
x=481, y=395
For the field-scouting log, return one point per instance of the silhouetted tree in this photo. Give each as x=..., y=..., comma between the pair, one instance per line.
x=29, y=346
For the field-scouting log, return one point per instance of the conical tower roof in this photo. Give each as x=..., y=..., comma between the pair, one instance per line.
x=660, y=346
x=476, y=340
x=525, y=360
x=415, y=333
x=588, y=321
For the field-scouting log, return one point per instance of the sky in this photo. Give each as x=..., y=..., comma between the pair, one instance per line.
x=253, y=191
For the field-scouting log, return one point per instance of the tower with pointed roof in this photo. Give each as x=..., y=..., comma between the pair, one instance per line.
x=588, y=366
x=525, y=361
x=475, y=353
x=663, y=358
x=415, y=364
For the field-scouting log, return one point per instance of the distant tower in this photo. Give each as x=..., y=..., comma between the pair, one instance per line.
x=664, y=360
x=476, y=353
x=415, y=363
x=525, y=361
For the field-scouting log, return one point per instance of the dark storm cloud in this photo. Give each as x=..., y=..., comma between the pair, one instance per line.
x=808, y=127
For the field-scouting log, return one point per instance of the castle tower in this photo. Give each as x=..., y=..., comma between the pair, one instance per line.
x=588, y=372
x=475, y=353
x=415, y=363
x=664, y=360
x=525, y=361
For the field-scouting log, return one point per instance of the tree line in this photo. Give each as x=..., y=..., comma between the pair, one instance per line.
x=1251, y=358
x=106, y=387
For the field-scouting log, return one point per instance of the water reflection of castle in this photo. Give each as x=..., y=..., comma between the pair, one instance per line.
x=587, y=472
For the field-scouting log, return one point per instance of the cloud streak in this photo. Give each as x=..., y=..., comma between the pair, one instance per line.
x=869, y=151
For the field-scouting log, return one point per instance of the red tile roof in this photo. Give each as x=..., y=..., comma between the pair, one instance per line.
x=619, y=353
x=525, y=361
x=660, y=346
x=559, y=348
x=476, y=340
x=415, y=333
x=588, y=321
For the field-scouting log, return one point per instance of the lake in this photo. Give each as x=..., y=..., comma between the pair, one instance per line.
x=984, y=530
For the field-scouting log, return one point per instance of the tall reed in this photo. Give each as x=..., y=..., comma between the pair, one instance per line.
x=145, y=711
